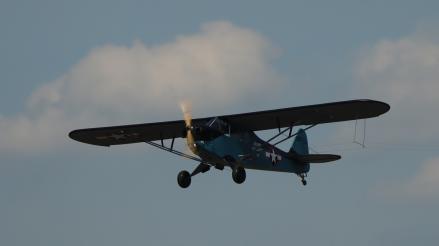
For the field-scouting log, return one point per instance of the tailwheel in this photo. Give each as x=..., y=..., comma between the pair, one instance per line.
x=303, y=181
x=184, y=179
x=238, y=175
x=302, y=177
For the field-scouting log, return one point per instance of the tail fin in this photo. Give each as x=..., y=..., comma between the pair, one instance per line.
x=300, y=151
x=300, y=144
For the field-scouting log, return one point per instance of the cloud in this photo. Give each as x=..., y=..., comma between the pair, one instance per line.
x=426, y=182
x=215, y=69
x=421, y=184
x=405, y=73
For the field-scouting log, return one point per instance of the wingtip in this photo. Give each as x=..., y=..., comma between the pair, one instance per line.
x=71, y=135
x=75, y=135
x=385, y=106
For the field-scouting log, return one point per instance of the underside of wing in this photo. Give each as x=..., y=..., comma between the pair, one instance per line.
x=308, y=115
x=255, y=121
x=115, y=135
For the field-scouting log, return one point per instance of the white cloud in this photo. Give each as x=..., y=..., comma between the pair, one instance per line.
x=405, y=73
x=426, y=182
x=214, y=69
x=421, y=184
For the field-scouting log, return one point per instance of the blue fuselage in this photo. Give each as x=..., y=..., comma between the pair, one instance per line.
x=247, y=150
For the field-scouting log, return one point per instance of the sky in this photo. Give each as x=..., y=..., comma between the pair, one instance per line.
x=72, y=64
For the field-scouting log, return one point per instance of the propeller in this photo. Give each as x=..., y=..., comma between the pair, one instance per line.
x=186, y=108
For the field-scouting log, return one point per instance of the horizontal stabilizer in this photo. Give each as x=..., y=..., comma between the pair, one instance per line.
x=316, y=158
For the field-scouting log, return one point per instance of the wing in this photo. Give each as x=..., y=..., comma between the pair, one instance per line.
x=255, y=121
x=115, y=135
x=309, y=115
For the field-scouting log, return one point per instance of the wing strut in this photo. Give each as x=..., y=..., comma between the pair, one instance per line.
x=355, y=141
x=173, y=151
x=176, y=152
x=290, y=136
x=280, y=133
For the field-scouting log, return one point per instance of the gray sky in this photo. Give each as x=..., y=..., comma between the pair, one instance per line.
x=73, y=64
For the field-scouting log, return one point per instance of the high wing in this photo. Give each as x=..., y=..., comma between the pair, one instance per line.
x=255, y=121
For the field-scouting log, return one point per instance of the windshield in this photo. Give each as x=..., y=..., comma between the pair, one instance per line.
x=219, y=125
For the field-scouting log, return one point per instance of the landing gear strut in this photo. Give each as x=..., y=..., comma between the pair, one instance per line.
x=238, y=175
x=184, y=177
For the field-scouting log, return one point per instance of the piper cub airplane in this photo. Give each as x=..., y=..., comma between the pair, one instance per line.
x=230, y=141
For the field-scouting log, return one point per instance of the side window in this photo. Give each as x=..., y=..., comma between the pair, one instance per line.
x=220, y=126
x=227, y=130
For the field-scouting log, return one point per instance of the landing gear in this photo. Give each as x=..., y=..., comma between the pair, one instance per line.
x=184, y=179
x=303, y=181
x=238, y=175
x=302, y=177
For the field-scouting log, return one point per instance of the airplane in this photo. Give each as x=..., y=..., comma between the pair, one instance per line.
x=230, y=140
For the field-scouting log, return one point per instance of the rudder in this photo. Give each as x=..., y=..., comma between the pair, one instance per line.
x=300, y=144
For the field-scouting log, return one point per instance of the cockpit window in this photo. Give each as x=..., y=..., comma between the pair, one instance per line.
x=219, y=125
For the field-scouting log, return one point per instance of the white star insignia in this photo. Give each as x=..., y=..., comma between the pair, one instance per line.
x=273, y=156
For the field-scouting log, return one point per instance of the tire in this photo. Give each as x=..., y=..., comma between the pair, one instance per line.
x=238, y=175
x=184, y=179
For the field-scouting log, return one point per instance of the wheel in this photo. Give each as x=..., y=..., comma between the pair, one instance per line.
x=238, y=175
x=184, y=179
x=303, y=182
